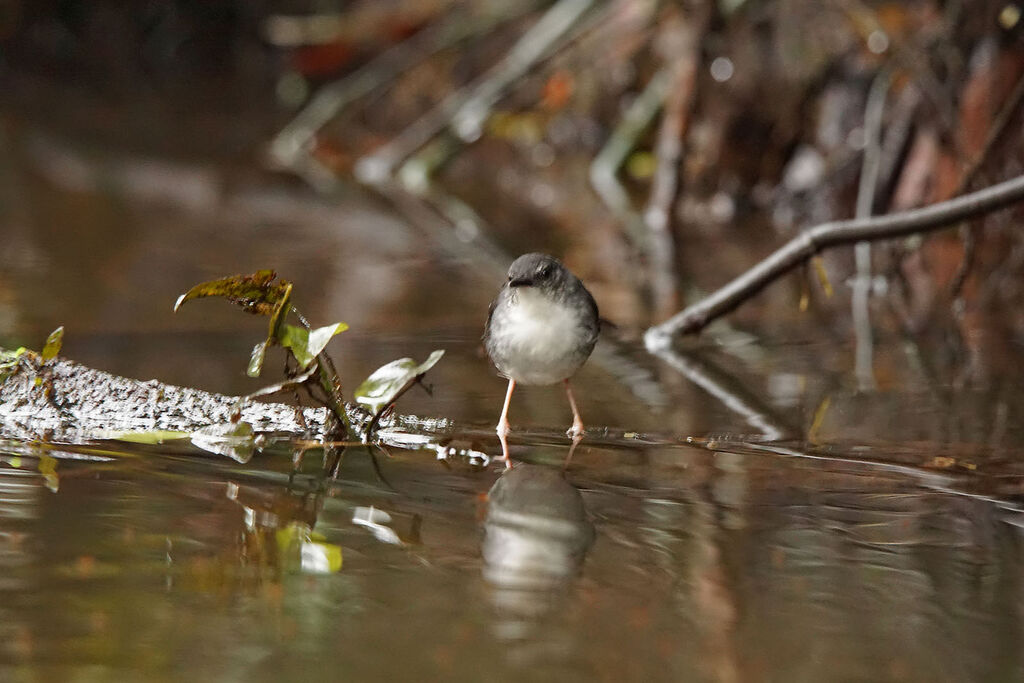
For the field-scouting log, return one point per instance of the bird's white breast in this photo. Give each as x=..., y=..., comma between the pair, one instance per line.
x=543, y=335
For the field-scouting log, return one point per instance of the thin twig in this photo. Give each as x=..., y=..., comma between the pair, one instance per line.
x=661, y=248
x=873, y=111
x=905, y=56
x=462, y=109
x=833, y=233
x=535, y=45
x=462, y=226
x=416, y=173
x=291, y=146
x=605, y=167
x=895, y=144
x=1002, y=120
x=451, y=229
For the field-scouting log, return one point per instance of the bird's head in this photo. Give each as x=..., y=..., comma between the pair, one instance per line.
x=541, y=272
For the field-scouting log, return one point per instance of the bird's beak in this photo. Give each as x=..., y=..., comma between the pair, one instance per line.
x=520, y=282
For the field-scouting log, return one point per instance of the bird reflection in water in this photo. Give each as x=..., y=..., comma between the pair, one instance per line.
x=536, y=536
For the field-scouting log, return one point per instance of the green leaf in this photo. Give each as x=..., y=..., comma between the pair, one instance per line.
x=305, y=344
x=390, y=381
x=9, y=361
x=296, y=339
x=256, y=293
x=53, y=343
x=152, y=436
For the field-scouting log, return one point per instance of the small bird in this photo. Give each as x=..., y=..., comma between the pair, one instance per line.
x=540, y=329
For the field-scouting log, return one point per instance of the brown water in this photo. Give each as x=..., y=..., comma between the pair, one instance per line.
x=876, y=537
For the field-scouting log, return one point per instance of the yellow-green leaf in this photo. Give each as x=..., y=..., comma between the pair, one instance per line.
x=280, y=312
x=53, y=343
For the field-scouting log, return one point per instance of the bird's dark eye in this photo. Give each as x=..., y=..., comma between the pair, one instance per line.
x=546, y=270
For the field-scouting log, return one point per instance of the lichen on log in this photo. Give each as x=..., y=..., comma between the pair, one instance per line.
x=60, y=400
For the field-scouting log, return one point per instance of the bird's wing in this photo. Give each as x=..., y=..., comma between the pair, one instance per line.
x=593, y=308
x=593, y=305
x=490, y=314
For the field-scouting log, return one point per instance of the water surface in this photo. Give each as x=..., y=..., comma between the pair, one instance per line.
x=739, y=512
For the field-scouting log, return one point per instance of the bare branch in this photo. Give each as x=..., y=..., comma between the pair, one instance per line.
x=605, y=167
x=874, y=109
x=661, y=247
x=291, y=147
x=465, y=110
x=834, y=233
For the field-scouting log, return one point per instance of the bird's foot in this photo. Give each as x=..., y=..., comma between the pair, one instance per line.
x=576, y=431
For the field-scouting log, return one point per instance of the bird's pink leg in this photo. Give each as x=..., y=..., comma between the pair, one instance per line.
x=577, y=422
x=503, y=427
